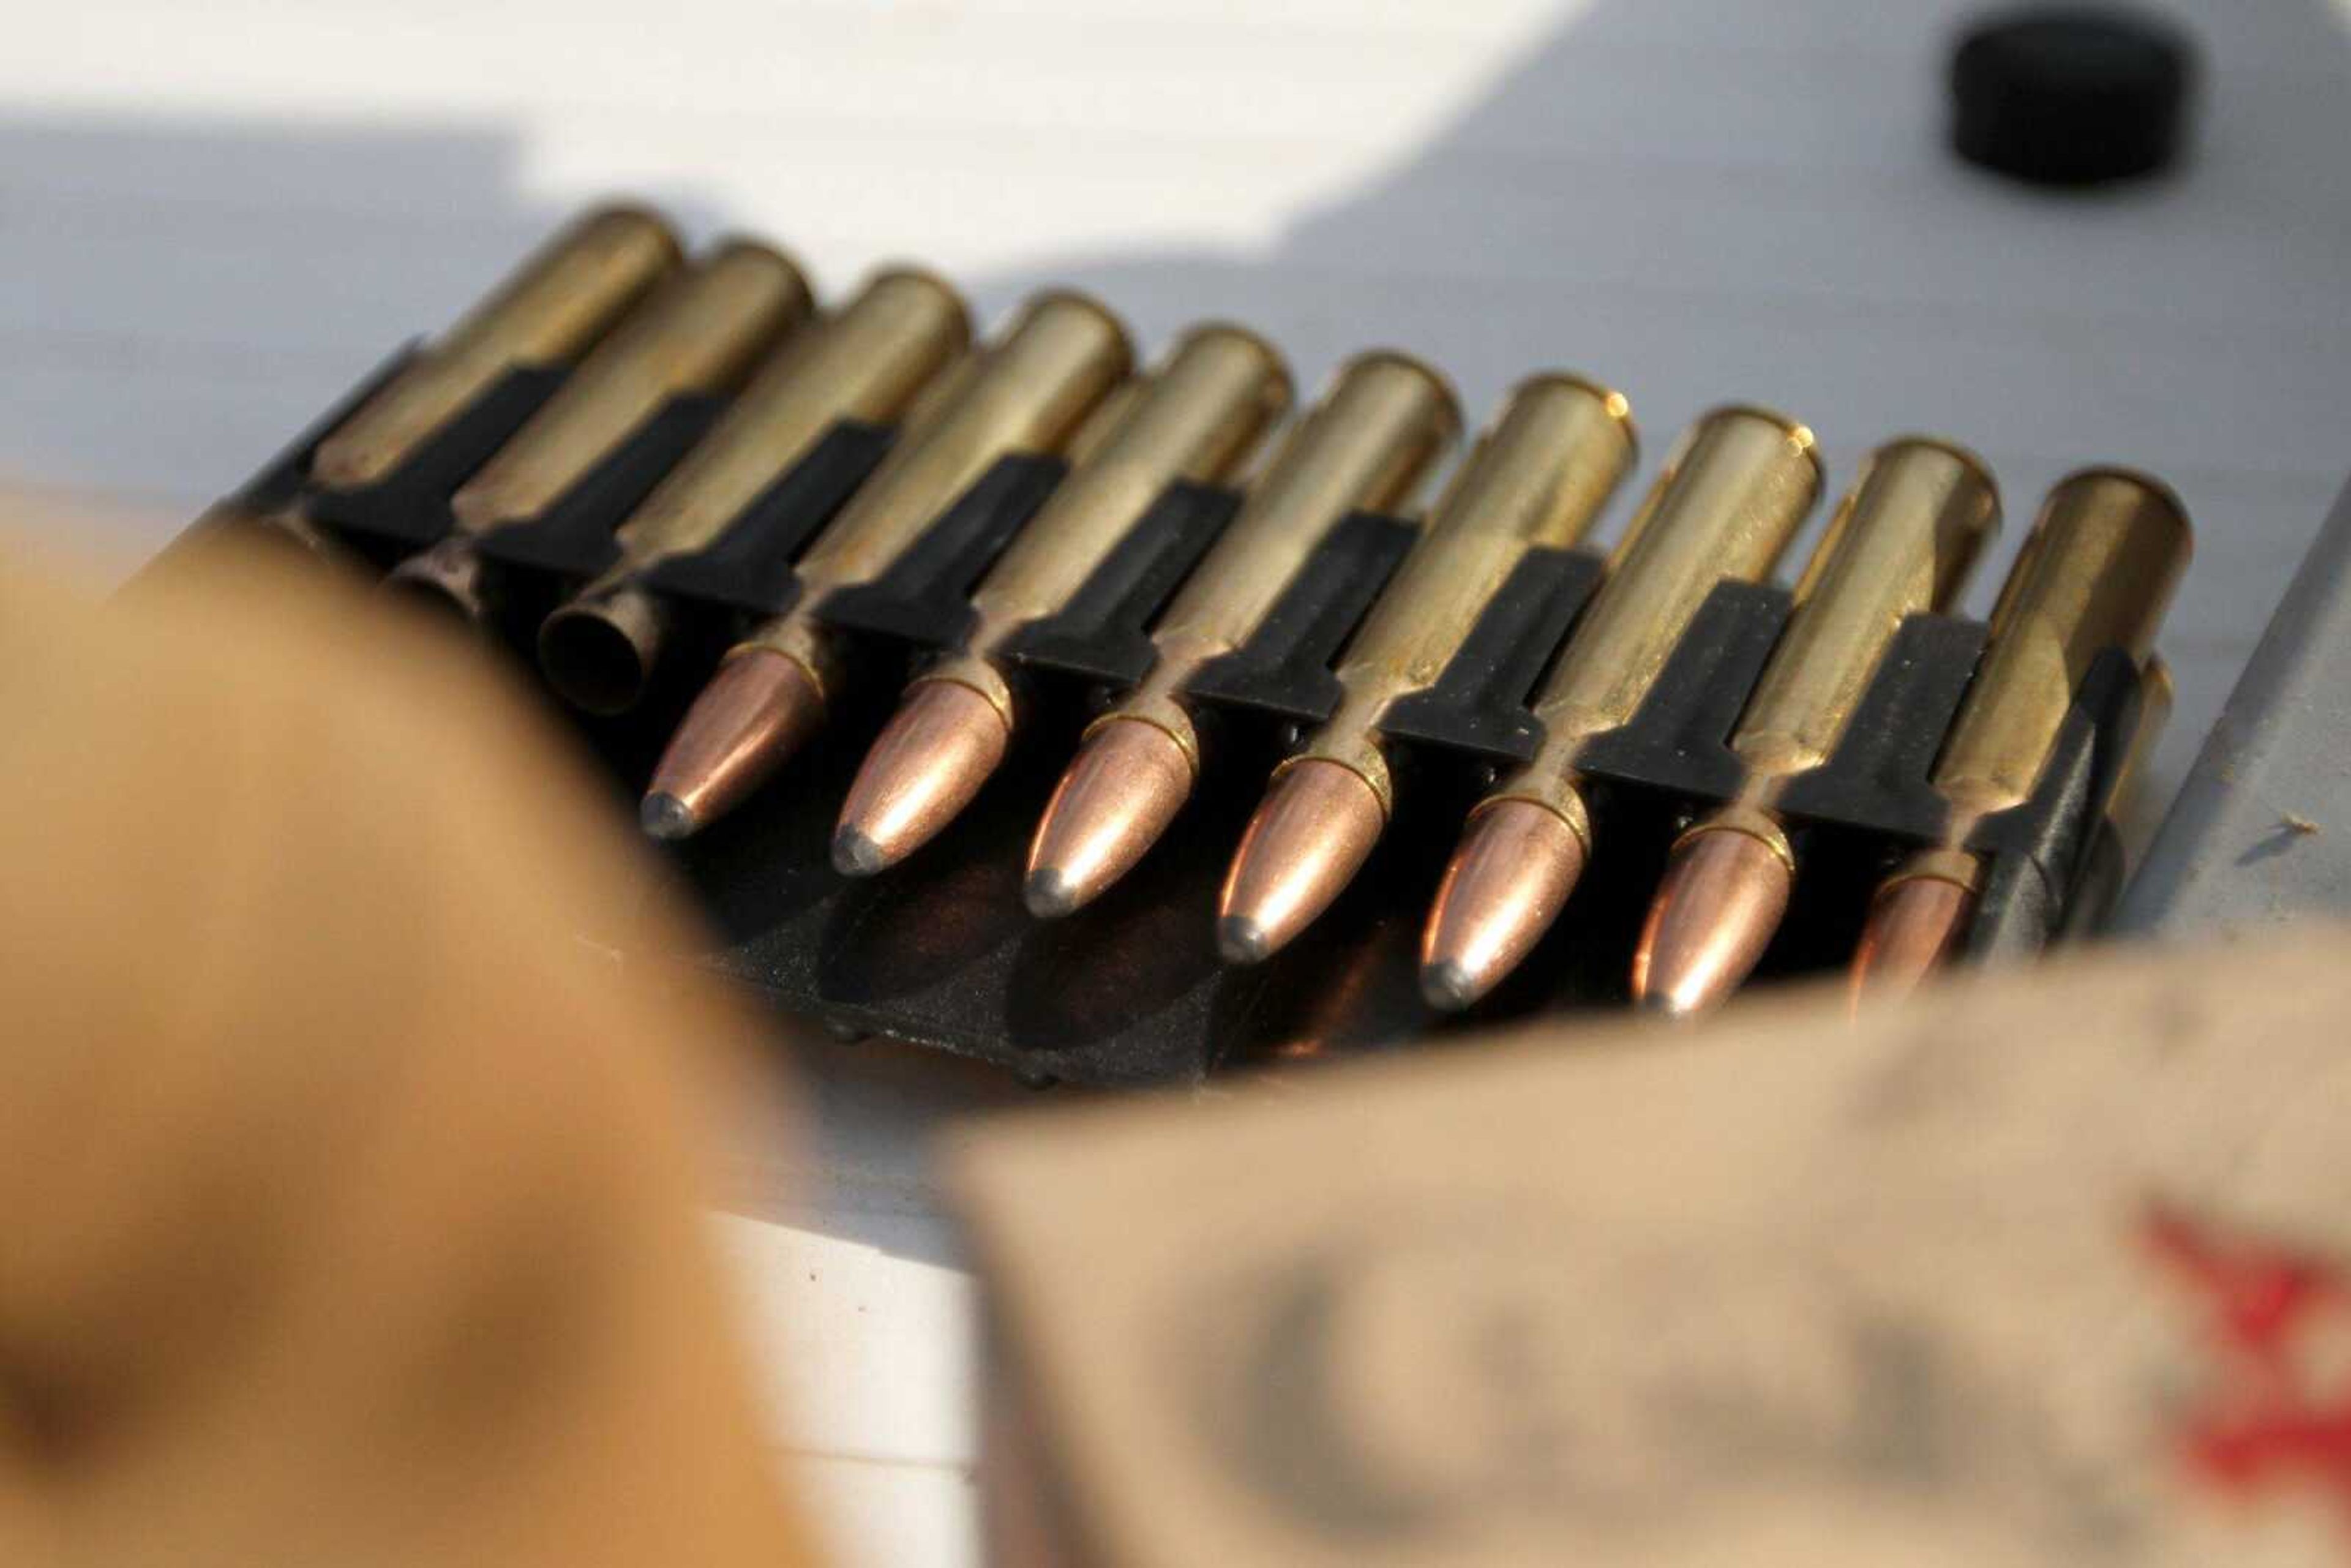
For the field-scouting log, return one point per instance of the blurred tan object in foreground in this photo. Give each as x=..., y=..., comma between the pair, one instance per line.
x=346, y=1211
x=2054, y=1269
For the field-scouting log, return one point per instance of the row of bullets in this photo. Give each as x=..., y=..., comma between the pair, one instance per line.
x=646, y=325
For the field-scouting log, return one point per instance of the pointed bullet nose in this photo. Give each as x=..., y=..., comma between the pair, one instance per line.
x=1721, y=901
x=1312, y=832
x=1446, y=986
x=1914, y=924
x=1048, y=894
x=1116, y=800
x=755, y=712
x=1241, y=940
x=938, y=748
x=855, y=854
x=1516, y=866
x=665, y=816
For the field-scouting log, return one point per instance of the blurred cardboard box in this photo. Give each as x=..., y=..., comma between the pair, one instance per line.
x=2051, y=1268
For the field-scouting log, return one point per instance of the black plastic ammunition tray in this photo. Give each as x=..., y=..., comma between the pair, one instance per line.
x=941, y=951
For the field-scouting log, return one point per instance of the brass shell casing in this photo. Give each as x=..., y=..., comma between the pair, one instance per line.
x=865, y=362
x=2098, y=572
x=1538, y=477
x=1904, y=539
x=562, y=298
x=1376, y=436
x=1369, y=443
x=701, y=333
x=1029, y=390
x=1733, y=494
x=1197, y=417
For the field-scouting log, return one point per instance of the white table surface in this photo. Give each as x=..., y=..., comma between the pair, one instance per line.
x=213, y=217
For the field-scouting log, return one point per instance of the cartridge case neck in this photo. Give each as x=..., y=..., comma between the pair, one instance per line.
x=798, y=636
x=1553, y=786
x=1762, y=826
x=976, y=672
x=1351, y=738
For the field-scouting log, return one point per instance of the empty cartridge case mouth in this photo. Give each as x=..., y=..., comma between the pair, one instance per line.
x=599, y=653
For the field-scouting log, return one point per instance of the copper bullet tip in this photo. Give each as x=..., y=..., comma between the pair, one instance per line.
x=1446, y=986
x=1914, y=924
x=1507, y=882
x=1127, y=784
x=1311, y=833
x=938, y=749
x=855, y=854
x=665, y=816
x=1721, y=901
x=753, y=715
x=1048, y=894
x=599, y=654
x=1241, y=940
x=449, y=576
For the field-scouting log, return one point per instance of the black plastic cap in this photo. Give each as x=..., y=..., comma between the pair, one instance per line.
x=2072, y=97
